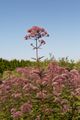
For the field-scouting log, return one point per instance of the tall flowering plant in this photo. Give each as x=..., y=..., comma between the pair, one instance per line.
x=37, y=33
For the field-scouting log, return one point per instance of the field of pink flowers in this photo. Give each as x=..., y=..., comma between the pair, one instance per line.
x=52, y=93
x=40, y=93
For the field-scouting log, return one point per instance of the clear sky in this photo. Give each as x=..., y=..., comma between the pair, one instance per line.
x=61, y=18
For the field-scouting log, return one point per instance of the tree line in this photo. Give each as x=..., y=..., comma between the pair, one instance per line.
x=13, y=64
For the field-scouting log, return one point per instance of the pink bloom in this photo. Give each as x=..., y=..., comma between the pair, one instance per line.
x=59, y=79
x=17, y=114
x=74, y=74
x=27, y=87
x=34, y=29
x=65, y=108
x=36, y=32
x=42, y=42
x=16, y=95
x=41, y=94
x=26, y=107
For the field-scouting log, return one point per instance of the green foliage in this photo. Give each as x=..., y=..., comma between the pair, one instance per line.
x=6, y=65
x=65, y=62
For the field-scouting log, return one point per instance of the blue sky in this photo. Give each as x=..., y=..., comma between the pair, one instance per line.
x=61, y=18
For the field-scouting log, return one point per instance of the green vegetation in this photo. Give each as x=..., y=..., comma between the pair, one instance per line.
x=6, y=65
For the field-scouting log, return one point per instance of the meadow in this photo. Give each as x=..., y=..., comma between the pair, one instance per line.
x=48, y=92
x=39, y=90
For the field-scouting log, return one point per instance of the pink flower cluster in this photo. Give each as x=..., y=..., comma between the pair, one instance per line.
x=38, y=91
x=36, y=32
x=25, y=108
x=16, y=114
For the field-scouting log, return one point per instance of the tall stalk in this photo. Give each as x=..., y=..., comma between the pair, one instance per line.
x=37, y=33
x=37, y=59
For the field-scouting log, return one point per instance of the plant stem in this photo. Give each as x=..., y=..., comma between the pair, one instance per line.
x=37, y=59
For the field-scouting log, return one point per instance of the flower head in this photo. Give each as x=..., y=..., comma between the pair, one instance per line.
x=36, y=32
x=17, y=114
x=26, y=107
